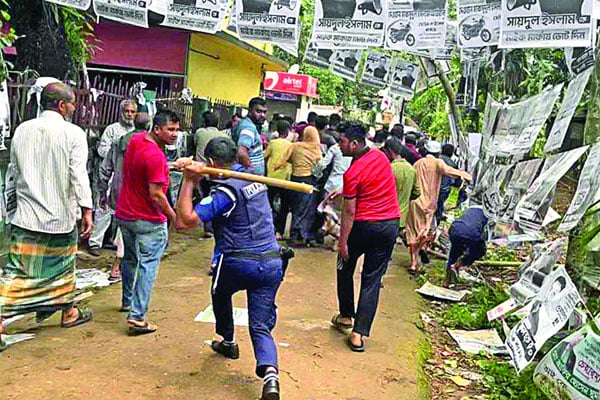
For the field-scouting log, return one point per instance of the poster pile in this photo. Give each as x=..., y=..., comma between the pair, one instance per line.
x=348, y=24
x=268, y=21
x=132, y=12
x=546, y=23
x=478, y=23
x=200, y=16
x=550, y=310
x=416, y=24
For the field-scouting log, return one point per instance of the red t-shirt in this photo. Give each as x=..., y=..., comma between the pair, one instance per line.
x=144, y=163
x=371, y=182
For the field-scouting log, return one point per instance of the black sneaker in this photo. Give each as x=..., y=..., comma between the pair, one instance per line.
x=226, y=350
x=270, y=390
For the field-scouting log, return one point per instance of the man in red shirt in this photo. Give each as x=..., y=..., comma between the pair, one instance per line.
x=142, y=214
x=369, y=226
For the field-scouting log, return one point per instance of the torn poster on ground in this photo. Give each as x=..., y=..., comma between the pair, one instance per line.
x=441, y=293
x=240, y=316
x=473, y=342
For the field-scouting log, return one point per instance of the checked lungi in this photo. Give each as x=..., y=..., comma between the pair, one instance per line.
x=39, y=274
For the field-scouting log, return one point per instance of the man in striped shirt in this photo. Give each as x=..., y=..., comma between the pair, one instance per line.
x=49, y=157
x=250, y=148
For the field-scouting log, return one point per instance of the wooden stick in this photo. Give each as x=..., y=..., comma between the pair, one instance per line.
x=227, y=173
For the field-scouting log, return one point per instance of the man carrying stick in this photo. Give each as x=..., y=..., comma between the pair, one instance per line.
x=249, y=255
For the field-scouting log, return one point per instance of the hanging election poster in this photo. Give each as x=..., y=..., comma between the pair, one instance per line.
x=531, y=210
x=572, y=368
x=478, y=23
x=194, y=15
x=132, y=12
x=445, y=52
x=550, y=310
x=318, y=57
x=546, y=23
x=566, y=112
x=377, y=68
x=345, y=24
x=522, y=177
x=586, y=190
x=345, y=63
x=269, y=21
x=403, y=79
x=416, y=24
x=579, y=59
x=475, y=53
x=78, y=4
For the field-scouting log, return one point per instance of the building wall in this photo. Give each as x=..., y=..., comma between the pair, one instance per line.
x=219, y=69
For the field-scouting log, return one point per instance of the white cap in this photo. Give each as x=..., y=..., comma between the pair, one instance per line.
x=433, y=146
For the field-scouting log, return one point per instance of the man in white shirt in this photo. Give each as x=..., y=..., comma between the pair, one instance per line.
x=112, y=133
x=49, y=157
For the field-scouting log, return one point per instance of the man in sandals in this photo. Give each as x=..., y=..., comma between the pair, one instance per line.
x=142, y=213
x=249, y=256
x=49, y=157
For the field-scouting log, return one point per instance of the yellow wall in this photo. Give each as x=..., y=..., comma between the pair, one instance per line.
x=235, y=76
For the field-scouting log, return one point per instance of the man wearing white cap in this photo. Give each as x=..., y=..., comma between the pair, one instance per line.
x=430, y=171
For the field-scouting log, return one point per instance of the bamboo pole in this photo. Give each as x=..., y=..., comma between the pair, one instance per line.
x=227, y=173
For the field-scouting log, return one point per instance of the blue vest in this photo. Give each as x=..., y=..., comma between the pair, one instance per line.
x=249, y=227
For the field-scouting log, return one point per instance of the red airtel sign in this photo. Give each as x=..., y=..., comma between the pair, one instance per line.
x=302, y=85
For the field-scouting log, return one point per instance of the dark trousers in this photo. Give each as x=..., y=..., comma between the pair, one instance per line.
x=444, y=194
x=376, y=241
x=461, y=245
x=280, y=205
x=300, y=204
x=260, y=278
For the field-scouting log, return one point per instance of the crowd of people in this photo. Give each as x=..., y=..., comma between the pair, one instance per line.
x=370, y=193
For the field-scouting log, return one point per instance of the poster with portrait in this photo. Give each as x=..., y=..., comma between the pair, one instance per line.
x=78, y=4
x=567, y=110
x=550, y=310
x=532, y=208
x=193, y=15
x=589, y=182
x=274, y=21
x=579, y=59
x=478, y=23
x=377, y=69
x=403, y=79
x=546, y=23
x=132, y=12
x=416, y=24
x=348, y=24
x=571, y=367
x=322, y=58
x=345, y=63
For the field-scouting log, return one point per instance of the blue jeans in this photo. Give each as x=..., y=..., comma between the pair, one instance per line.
x=145, y=243
x=260, y=277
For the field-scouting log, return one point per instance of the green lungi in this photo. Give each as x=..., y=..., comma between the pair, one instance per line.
x=39, y=274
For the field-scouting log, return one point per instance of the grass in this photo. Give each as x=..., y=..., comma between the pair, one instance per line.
x=424, y=352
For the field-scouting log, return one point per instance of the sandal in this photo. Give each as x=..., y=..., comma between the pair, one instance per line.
x=136, y=330
x=124, y=309
x=340, y=325
x=353, y=347
x=83, y=315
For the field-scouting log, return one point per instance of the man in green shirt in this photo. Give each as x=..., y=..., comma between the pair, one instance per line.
x=208, y=131
x=407, y=185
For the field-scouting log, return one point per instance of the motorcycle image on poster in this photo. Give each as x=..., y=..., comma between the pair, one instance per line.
x=479, y=23
x=416, y=24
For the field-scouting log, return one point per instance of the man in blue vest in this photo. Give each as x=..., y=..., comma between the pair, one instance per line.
x=249, y=256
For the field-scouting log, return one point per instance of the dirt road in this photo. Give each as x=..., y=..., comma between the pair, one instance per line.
x=98, y=360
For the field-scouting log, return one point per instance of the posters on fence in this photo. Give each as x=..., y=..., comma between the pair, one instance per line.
x=79, y=4
x=572, y=368
x=579, y=59
x=377, y=69
x=478, y=23
x=567, y=110
x=345, y=63
x=194, y=15
x=403, y=79
x=268, y=21
x=531, y=210
x=586, y=190
x=132, y=12
x=415, y=24
x=550, y=310
x=546, y=23
x=348, y=24
x=474, y=342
